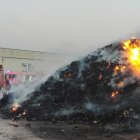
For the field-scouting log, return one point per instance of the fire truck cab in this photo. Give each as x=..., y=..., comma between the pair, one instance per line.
x=16, y=78
x=4, y=83
x=2, y=79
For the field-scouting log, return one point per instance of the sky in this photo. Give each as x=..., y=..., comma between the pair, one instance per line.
x=74, y=27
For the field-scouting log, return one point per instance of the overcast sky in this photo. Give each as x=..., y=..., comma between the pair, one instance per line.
x=74, y=27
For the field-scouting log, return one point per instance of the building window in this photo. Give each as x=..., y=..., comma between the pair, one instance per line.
x=27, y=78
x=26, y=67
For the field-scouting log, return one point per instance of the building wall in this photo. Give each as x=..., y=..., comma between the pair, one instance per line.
x=15, y=60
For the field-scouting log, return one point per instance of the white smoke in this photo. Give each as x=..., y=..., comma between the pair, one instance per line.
x=20, y=93
x=66, y=111
x=106, y=54
x=92, y=107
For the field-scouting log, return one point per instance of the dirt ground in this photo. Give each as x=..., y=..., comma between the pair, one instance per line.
x=27, y=130
x=80, y=131
x=12, y=130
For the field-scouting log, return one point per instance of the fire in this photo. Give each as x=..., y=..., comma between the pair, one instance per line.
x=119, y=68
x=114, y=94
x=100, y=77
x=121, y=84
x=135, y=56
x=15, y=107
x=132, y=49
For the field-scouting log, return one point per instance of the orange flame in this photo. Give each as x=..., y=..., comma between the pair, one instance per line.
x=119, y=68
x=132, y=50
x=15, y=107
x=114, y=94
x=121, y=84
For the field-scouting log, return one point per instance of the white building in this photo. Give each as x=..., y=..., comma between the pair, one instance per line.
x=33, y=61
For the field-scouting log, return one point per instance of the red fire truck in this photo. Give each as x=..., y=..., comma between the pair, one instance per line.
x=16, y=78
x=11, y=78
x=4, y=83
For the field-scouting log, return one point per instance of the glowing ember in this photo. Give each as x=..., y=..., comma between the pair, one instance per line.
x=68, y=75
x=132, y=48
x=121, y=84
x=24, y=113
x=100, y=77
x=114, y=94
x=119, y=68
x=15, y=107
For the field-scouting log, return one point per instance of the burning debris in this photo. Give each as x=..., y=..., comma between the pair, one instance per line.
x=104, y=86
x=132, y=49
x=15, y=107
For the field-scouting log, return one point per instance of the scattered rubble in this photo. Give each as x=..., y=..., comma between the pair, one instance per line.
x=13, y=124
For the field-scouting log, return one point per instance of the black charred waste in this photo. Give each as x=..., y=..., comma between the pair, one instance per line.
x=83, y=91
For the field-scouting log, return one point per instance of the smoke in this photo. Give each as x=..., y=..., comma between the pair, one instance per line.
x=19, y=93
x=100, y=83
x=66, y=111
x=45, y=68
x=51, y=63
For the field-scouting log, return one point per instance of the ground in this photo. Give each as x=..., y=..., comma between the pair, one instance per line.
x=33, y=130
x=12, y=130
x=80, y=131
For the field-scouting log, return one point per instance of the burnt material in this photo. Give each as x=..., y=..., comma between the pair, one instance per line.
x=86, y=90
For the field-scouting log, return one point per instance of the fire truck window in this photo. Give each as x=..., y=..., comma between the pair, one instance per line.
x=7, y=76
x=26, y=78
x=14, y=76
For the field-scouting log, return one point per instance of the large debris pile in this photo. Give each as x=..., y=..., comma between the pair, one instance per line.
x=101, y=86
